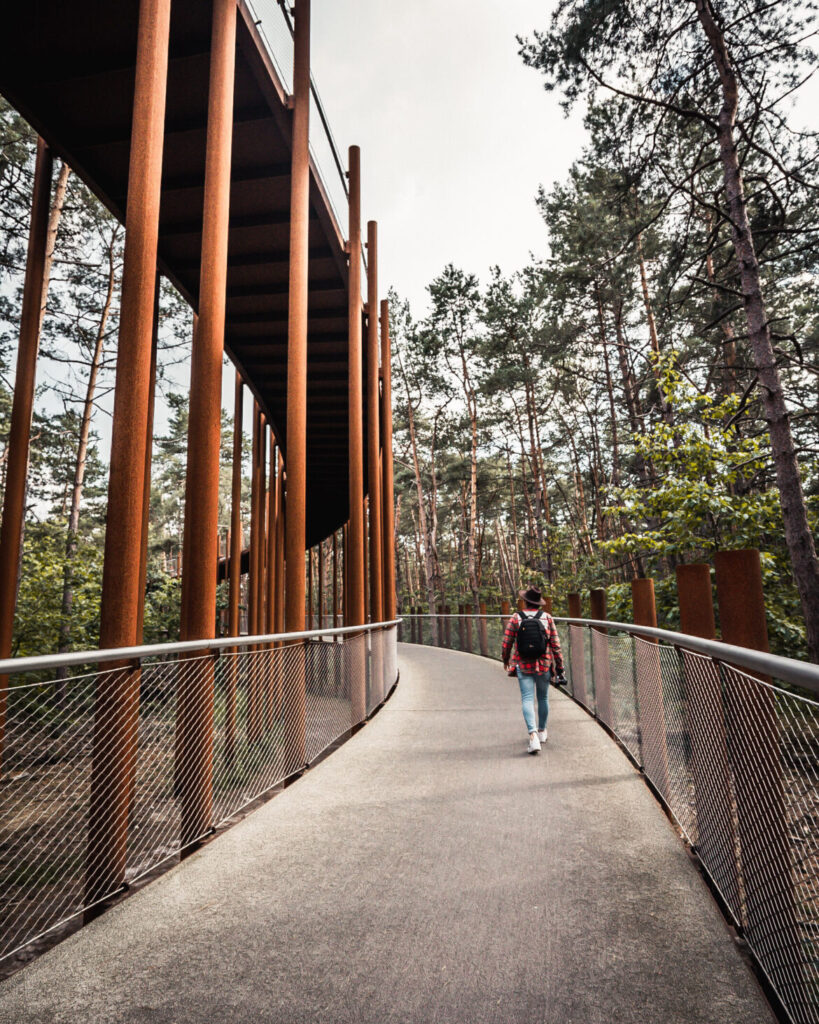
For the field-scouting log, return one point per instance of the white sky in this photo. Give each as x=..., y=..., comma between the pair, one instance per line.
x=456, y=133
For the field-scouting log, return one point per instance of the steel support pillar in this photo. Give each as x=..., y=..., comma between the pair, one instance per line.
x=387, y=475
x=373, y=432
x=651, y=710
x=577, y=648
x=716, y=839
x=765, y=855
x=296, y=699
x=118, y=691
x=235, y=568
x=354, y=550
x=202, y=478
x=600, y=658
x=14, y=497
x=146, y=487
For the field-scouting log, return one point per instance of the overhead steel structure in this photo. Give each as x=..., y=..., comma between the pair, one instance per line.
x=201, y=137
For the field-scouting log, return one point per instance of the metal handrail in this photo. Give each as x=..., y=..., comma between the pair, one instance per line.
x=40, y=663
x=788, y=670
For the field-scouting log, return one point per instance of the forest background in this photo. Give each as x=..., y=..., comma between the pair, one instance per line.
x=643, y=393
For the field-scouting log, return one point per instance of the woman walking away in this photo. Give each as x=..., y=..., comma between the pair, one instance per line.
x=531, y=651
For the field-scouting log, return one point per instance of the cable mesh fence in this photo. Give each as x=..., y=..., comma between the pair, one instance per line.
x=735, y=758
x=108, y=775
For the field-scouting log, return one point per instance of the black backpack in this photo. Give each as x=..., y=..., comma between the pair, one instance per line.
x=531, y=638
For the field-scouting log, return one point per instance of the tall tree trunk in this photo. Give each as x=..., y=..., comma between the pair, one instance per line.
x=798, y=537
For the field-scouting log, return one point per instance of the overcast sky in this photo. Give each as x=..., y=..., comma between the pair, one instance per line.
x=456, y=133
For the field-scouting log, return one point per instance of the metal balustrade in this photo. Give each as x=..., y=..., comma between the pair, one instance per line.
x=279, y=702
x=728, y=738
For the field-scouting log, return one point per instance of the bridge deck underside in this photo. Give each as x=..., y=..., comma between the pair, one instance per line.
x=429, y=870
x=69, y=69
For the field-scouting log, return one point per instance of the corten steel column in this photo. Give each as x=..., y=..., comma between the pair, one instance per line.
x=461, y=632
x=335, y=580
x=578, y=645
x=270, y=579
x=387, y=475
x=256, y=585
x=295, y=530
x=202, y=478
x=321, y=584
x=505, y=608
x=716, y=840
x=373, y=432
x=354, y=548
x=482, y=630
x=756, y=761
x=468, y=613
x=235, y=569
x=117, y=692
x=14, y=499
x=651, y=710
x=278, y=608
x=600, y=656
x=310, y=589
x=448, y=625
x=547, y=605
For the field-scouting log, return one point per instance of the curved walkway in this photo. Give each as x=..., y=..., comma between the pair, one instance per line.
x=427, y=871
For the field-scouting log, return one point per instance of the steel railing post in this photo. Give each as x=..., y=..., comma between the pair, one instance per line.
x=578, y=652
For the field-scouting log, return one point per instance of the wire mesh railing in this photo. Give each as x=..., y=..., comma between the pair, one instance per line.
x=111, y=772
x=275, y=26
x=729, y=740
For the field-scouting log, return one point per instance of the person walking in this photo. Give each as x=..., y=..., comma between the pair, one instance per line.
x=531, y=651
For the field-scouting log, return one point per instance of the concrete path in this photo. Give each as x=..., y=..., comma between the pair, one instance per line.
x=427, y=871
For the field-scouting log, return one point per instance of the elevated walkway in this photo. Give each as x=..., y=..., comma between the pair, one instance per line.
x=429, y=870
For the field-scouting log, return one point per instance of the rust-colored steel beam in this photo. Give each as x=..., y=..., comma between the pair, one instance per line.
x=575, y=606
x=716, y=840
x=256, y=566
x=310, y=588
x=118, y=692
x=577, y=634
x=235, y=568
x=14, y=498
x=321, y=584
x=387, y=476
x=373, y=438
x=202, y=477
x=278, y=573
x=335, y=580
x=270, y=575
x=760, y=800
x=505, y=610
x=252, y=573
x=650, y=688
x=296, y=700
x=354, y=549
x=601, y=659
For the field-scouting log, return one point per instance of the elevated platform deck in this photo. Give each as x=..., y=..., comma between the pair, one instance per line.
x=429, y=870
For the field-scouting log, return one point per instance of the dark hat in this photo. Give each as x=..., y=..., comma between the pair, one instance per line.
x=532, y=596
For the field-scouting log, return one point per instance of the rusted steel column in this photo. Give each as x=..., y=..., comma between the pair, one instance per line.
x=651, y=709
x=354, y=547
x=278, y=608
x=578, y=645
x=270, y=596
x=118, y=692
x=295, y=529
x=310, y=624
x=321, y=584
x=335, y=580
x=373, y=431
x=255, y=588
x=600, y=658
x=461, y=631
x=387, y=474
x=202, y=479
x=756, y=761
x=482, y=630
x=716, y=840
x=468, y=613
x=505, y=609
x=448, y=625
x=235, y=569
x=547, y=605
x=14, y=498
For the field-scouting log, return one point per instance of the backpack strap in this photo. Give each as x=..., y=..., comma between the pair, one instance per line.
x=539, y=614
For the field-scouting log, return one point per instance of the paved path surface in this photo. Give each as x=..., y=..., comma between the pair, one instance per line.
x=427, y=871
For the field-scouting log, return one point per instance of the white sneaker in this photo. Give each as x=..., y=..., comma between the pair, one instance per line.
x=542, y=736
x=534, y=744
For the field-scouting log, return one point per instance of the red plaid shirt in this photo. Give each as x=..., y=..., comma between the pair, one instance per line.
x=552, y=657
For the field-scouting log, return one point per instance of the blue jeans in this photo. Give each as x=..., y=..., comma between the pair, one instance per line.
x=528, y=685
